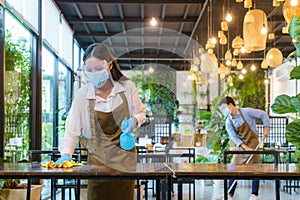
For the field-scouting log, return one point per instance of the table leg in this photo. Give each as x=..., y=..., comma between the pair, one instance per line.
x=179, y=188
x=78, y=189
x=138, y=191
x=169, y=186
x=28, y=189
x=164, y=189
x=158, y=193
x=225, y=190
x=277, y=185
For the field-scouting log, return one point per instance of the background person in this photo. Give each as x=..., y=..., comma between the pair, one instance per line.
x=102, y=110
x=241, y=127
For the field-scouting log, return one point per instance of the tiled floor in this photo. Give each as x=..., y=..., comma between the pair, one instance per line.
x=243, y=190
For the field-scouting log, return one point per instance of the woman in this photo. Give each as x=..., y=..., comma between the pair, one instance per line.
x=104, y=110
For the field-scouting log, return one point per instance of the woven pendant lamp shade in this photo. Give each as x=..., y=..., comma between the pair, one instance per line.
x=247, y=3
x=224, y=26
x=240, y=65
x=228, y=55
x=237, y=42
x=223, y=39
x=234, y=63
x=264, y=64
x=239, y=1
x=274, y=57
x=254, y=40
x=276, y=3
x=236, y=52
x=290, y=11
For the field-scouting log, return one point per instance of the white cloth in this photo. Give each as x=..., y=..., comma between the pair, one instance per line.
x=78, y=121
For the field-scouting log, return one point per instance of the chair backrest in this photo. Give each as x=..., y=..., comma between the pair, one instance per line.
x=157, y=127
x=277, y=132
x=181, y=154
x=79, y=155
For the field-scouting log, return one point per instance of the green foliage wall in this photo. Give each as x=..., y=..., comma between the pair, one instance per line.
x=250, y=92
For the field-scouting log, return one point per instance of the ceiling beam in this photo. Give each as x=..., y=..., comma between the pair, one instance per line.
x=196, y=25
x=144, y=46
x=134, y=1
x=74, y=20
x=130, y=34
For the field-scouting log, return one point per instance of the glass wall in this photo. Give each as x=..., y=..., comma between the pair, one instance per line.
x=60, y=56
x=17, y=89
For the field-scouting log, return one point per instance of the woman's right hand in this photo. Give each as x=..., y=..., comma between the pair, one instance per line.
x=63, y=158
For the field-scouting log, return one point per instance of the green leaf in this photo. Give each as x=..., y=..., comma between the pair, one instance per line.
x=296, y=102
x=203, y=114
x=295, y=73
x=283, y=105
x=293, y=132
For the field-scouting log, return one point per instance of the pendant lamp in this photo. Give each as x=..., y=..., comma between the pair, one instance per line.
x=239, y=1
x=237, y=42
x=233, y=62
x=290, y=10
x=247, y=3
x=228, y=55
x=264, y=64
x=239, y=65
x=224, y=26
x=274, y=57
x=254, y=21
x=276, y=3
x=236, y=52
x=223, y=39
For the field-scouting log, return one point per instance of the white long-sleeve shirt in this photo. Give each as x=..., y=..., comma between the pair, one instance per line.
x=78, y=120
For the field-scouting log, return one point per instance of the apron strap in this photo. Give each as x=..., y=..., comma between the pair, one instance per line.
x=92, y=118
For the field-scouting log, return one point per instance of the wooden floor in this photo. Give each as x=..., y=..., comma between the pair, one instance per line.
x=243, y=191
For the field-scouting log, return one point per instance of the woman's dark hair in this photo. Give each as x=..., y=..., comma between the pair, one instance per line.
x=101, y=51
x=228, y=100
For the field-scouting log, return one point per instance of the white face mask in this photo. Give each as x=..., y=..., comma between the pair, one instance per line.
x=98, y=79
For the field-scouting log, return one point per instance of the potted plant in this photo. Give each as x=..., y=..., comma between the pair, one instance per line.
x=12, y=189
x=217, y=137
x=285, y=104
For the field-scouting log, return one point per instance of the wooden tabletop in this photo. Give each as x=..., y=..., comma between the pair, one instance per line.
x=25, y=170
x=207, y=170
x=155, y=170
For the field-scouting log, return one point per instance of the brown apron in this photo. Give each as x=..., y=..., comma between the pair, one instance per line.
x=249, y=138
x=104, y=149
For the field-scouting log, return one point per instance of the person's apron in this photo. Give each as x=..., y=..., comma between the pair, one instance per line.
x=104, y=149
x=249, y=138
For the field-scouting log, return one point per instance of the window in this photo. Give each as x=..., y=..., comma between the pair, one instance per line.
x=17, y=89
x=48, y=113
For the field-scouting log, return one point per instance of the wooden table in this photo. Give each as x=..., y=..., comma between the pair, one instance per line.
x=232, y=171
x=158, y=171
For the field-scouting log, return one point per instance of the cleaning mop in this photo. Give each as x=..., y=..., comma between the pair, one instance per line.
x=260, y=145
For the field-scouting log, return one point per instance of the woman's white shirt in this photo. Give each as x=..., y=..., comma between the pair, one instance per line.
x=78, y=120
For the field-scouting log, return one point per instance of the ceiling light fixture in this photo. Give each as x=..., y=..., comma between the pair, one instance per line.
x=294, y=2
x=244, y=71
x=228, y=17
x=153, y=22
x=263, y=30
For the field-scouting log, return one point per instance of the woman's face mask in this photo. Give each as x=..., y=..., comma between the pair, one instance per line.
x=99, y=78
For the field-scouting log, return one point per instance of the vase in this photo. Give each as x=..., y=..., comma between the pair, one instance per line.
x=21, y=194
